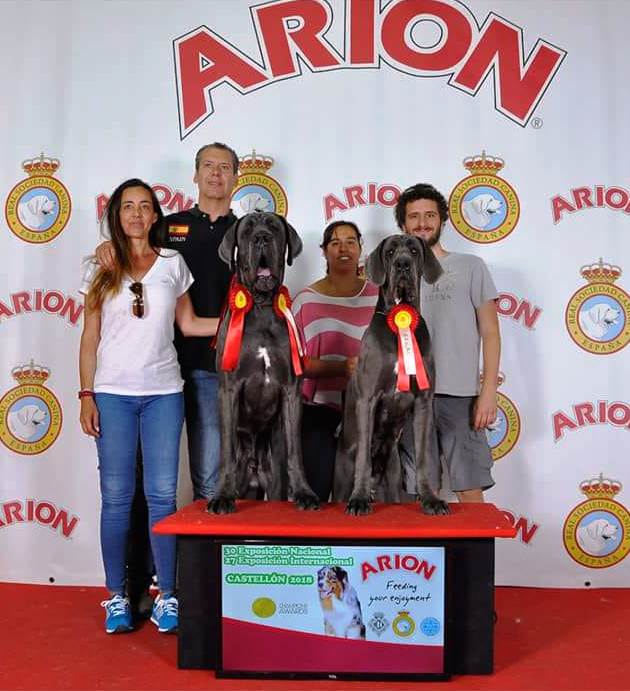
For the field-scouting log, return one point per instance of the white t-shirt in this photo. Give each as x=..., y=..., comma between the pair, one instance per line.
x=136, y=357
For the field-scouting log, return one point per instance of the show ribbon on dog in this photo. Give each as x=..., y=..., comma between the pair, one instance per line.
x=240, y=302
x=282, y=307
x=403, y=321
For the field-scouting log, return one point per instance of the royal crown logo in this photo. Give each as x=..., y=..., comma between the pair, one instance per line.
x=255, y=189
x=30, y=414
x=38, y=207
x=596, y=533
x=505, y=431
x=598, y=314
x=484, y=207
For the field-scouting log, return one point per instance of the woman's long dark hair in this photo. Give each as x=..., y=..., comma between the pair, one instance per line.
x=106, y=283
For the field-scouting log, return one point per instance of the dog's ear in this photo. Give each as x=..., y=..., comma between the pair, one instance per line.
x=342, y=574
x=432, y=269
x=374, y=267
x=227, y=248
x=294, y=243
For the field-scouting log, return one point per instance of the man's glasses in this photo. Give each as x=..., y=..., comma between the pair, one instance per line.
x=138, y=302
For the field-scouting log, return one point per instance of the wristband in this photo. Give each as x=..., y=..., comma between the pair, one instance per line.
x=86, y=393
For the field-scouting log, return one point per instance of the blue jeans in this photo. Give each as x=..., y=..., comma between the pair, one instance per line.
x=157, y=422
x=201, y=389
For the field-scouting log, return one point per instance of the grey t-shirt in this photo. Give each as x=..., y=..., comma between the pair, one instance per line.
x=449, y=309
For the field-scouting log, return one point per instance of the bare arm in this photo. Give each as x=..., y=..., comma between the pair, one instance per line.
x=189, y=323
x=316, y=368
x=486, y=405
x=90, y=338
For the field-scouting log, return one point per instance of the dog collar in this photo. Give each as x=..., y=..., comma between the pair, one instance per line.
x=239, y=302
x=282, y=307
x=403, y=321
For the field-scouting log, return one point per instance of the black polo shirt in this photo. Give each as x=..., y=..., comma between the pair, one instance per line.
x=197, y=239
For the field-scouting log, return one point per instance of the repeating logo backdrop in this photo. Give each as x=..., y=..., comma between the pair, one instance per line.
x=361, y=99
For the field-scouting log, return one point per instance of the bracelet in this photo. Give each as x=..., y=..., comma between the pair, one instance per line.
x=86, y=393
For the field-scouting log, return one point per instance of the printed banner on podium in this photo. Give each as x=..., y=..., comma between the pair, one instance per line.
x=333, y=609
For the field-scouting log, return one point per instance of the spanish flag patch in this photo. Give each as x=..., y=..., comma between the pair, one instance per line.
x=178, y=231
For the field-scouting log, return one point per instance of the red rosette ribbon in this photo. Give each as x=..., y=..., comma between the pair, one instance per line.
x=239, y=303
x=282, y=307
x=403, y=321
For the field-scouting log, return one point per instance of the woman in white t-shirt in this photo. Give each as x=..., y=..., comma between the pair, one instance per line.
x=131, y=387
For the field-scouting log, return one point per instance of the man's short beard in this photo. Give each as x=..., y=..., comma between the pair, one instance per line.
x=434, y=239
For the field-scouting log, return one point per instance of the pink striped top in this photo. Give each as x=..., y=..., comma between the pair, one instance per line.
x=332, y=328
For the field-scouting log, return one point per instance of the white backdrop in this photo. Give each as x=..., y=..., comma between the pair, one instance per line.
x=120, y=89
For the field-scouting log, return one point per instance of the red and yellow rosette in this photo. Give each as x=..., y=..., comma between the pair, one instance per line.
x=282, y=307
x=240, y=302
x=403, y=321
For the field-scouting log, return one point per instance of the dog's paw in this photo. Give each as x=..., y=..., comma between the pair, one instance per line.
x=433, y=506
x=358, y=506
x=221, y=505
x=306, y=501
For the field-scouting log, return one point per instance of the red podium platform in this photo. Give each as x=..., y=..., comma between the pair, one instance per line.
x=467, y=536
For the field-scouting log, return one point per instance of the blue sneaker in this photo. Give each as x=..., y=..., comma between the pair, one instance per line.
x=165, y=613
x=117, y=615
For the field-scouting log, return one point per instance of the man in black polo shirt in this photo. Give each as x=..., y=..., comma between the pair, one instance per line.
x=197, y=234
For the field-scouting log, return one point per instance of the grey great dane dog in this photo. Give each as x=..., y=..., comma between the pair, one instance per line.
x=367, y=454
x=260, y=403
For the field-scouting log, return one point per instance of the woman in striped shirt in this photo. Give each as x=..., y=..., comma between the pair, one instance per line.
x=332, y=315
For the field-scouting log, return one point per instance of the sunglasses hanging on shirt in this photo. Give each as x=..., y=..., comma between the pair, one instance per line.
x=137, y=307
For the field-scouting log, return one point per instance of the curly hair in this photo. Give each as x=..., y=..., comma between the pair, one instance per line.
x=421, y=190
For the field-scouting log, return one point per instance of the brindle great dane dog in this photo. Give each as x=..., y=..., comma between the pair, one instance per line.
x=375, y=411
x=260, y=402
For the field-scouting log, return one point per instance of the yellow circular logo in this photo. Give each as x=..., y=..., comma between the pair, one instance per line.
x=506, y=429
x=403, y=319
x=38, y=207
x=30, y=419
x=403, y=625
x=282, y=302
x=264, y=607
x=484, y=207
x=240, y=300
x=596, y=533
x=598, y=318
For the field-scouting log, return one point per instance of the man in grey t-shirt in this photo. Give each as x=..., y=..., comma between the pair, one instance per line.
x=461, y=315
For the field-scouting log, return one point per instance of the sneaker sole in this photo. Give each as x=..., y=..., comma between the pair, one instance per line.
x=172, y=630
x=120, y=629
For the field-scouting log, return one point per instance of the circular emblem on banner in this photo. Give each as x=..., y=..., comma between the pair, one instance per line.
x=255, y=190
x=430, y=626
x=504, y=432
x=30, y=414
x=38, y=207
x=598, y=314
x=596, y=533
x=264, y=607
x=484, y=207
x=403, y=625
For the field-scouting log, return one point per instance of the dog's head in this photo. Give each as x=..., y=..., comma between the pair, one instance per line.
x=331, y=580
x=397, y=265
x=257, y=246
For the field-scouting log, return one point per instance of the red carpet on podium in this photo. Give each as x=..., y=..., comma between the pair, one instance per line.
x=545, y=639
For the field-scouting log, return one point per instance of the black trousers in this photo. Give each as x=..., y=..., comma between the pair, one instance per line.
x=319, y=447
